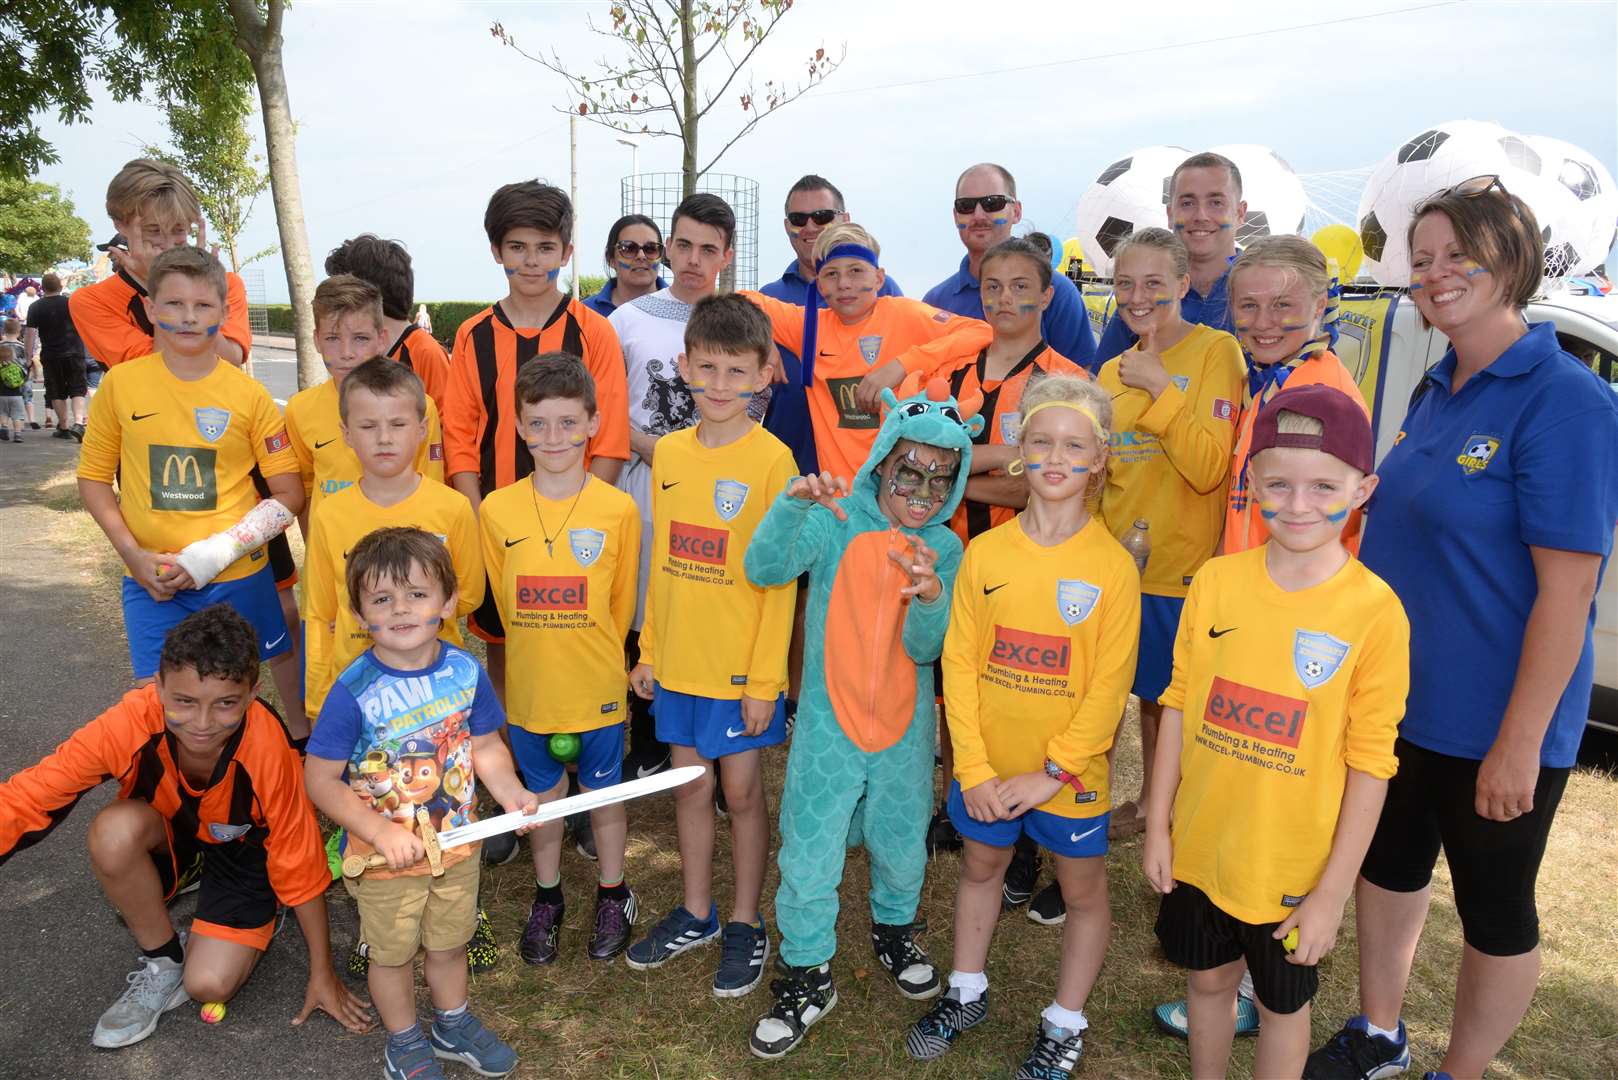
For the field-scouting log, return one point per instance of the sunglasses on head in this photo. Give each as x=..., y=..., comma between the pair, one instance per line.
x=629, y=249
x=800, y=218
x=1476, y=186
x=992, y=203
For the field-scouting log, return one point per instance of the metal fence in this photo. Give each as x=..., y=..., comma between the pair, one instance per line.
x=258, y=316
x=657, y=194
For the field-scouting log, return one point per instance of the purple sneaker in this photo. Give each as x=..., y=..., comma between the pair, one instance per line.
x=544, y=930
x=614, y=918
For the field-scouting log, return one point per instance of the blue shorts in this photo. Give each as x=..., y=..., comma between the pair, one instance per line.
x=1073, y=838
x=1159, y=623
x=712, y=726
x=601, y=758
x=147, y=621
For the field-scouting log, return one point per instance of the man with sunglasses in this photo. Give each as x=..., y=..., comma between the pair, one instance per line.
x=986, y=208
x=813, y=205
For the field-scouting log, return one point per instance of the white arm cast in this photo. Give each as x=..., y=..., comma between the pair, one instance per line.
x=204, y=559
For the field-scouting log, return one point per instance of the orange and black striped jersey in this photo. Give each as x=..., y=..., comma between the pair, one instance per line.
x=255, y=795
x=112, y=322
x=419, y=351
x=480, y=414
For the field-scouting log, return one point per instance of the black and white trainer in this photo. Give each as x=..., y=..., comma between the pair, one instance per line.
x=1055, y=1054
x=744, y=948
x=802, y=996
x=931, y=1037
x=896, y=950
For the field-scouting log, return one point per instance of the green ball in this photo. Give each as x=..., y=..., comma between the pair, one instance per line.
x=564, y=746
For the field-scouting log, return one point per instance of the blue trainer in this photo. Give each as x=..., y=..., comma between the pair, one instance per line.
x=474, y=1046
x=678, y=931
x=1172, y=1018
x=742, y=953
x=1356, y=1054
x=412, y=1061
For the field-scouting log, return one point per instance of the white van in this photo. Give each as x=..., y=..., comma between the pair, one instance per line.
x=1381, y=340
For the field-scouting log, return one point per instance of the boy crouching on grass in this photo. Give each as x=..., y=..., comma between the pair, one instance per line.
x=1290, y=674
x=713, y=648
x=421, y=713
x=209, y=790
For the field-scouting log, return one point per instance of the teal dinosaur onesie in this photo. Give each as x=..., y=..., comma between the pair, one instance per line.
x=866, y=726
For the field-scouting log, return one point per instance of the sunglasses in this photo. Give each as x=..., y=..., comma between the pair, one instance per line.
x=629, y=249
x=992, y=203
x=800, y=218
x=1483, y=185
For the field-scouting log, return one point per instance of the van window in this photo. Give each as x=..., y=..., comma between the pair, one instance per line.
x=1601, y=361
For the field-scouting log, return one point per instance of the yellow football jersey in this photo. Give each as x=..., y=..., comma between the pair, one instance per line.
x=325, y=460
x=564, y=579
x=1169, y=459
x=715, y=634
x=1039, y=658
x=334, y=634
x=1282, y=693
x=183, y=451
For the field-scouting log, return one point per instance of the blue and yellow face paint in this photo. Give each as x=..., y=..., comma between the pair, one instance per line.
x=1415, y=281
x=175, y=328
x=1337, y=513
x=1472, y=268
x=1268, y=510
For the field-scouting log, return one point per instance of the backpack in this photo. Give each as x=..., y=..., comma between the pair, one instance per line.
x=12, y=372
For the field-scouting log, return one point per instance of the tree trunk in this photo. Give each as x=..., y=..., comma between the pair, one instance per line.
x=261, y=41
x=688, y=126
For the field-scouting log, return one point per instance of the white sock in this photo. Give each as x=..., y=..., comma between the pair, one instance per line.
x=1245, y=987
x=968, y=985
x=1391, y=1036
x=1068, y=1019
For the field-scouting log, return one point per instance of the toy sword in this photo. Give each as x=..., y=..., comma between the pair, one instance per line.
x=355, y=865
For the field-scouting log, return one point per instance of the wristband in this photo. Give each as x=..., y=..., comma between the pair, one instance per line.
x=1056, y=772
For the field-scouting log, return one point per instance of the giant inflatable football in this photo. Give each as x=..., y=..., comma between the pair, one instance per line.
x=1131, y=193
x=1272, y=191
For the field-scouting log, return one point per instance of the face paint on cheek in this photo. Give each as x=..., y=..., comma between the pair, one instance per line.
x=1162, y=301
x=1336, y=512
x=867, y=288
x=435, y=620
x=1415, y=282
x=627, y=266
x=373, y=628
x=1242, y=326
x=550, y=275
x=960, y=226
x=697, y=388
x=1033, y=463
x=744, y=395
x=1268, y=510
x=511, y=271
x=794, y=233
x=1472, y=268
x=1290, y=328
x=1000, y=220
x=1028, y=308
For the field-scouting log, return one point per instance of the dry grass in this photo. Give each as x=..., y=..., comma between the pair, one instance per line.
x=587, y=1020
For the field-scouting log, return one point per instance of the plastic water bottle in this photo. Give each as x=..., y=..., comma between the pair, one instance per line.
x=1138, y=542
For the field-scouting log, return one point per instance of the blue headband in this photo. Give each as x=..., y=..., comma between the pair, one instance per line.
x=811, y=315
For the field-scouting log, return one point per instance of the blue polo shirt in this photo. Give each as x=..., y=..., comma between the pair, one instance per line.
x=1212, y=310
x=602, y=302
x=788, y=415
x=1525, y=454
x=1066, y=325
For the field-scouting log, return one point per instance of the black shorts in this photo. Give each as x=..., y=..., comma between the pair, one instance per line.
x=64, y=378
x=279, y=549
x=1196, y=934
x=484, y=620
x=1493, y=864
x=236, y=901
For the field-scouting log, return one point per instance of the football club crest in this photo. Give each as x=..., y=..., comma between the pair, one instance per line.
x=1477, y=453
x=211, y=423
x=728, y=498
x=1075, y=600
x=1010, y=427
x=1316, y=657
x=871, y=347
x=586, y=544
x=1181, y=381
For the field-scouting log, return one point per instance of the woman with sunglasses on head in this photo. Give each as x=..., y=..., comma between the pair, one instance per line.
x=634, y=256
x=1493, y=522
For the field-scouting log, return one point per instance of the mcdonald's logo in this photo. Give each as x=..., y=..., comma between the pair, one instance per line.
x=849, y=414
x=183, y=478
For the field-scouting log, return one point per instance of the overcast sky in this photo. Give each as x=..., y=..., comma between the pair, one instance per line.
x=410, y=114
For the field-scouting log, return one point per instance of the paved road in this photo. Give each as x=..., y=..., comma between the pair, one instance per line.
x=63, y=952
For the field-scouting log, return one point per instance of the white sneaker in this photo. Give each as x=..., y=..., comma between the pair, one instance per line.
x=155, y=987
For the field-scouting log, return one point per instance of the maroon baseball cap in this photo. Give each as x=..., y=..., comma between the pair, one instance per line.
x=1346, y=435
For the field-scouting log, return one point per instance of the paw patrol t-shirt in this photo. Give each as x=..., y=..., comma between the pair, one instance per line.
x=407, y=738
x=1281, y=693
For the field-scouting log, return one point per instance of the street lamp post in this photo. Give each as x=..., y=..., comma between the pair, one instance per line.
x=634, y=170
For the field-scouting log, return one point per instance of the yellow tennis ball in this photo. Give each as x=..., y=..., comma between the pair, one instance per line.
x=1290, y=942
x=213, y=1012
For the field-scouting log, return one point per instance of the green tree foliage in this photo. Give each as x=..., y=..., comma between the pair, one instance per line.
x=38, y=227
x=658, y=85
x=218, y=157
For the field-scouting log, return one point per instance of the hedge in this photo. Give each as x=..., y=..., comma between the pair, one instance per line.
x=447, y=315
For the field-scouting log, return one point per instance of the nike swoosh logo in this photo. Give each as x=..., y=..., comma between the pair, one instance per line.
x=514, y=543
x=667, y=485
x=731, y=733
x=328, y=442
x=141, y=416
x=603, y=775
x=277, y=641
x=987, y=589
x=1219, y=633
x=642, y=772
x=1074, y=838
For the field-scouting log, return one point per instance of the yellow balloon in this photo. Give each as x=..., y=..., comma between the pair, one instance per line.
x=1341, y=243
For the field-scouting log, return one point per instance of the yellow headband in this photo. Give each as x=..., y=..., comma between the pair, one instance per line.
x=1078, y=407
